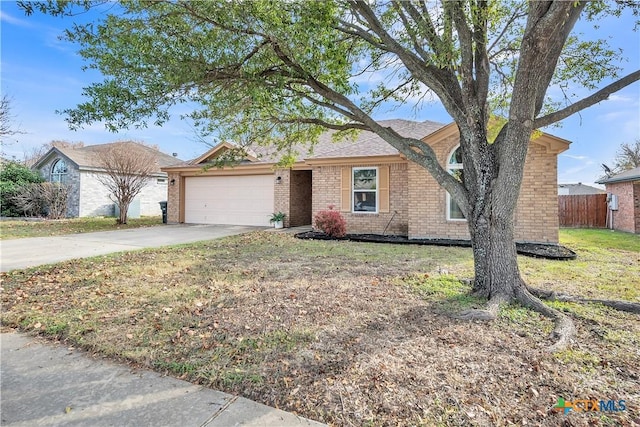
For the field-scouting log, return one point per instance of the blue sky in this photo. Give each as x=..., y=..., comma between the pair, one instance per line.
x=42, y=74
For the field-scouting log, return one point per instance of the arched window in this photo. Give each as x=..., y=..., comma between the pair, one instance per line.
x=455, y=168
x=59, y=172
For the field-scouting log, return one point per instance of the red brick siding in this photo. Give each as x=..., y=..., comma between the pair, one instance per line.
x=636, y=199
x=627, y=217
x=326, y=192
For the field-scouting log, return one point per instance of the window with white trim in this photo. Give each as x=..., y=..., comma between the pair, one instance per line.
x=455, y=168
x=59, y=172
x=365, y=190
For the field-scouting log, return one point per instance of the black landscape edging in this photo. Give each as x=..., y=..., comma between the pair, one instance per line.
x=536, y=250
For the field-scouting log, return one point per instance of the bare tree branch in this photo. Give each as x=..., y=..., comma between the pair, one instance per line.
x=6, y=119
x=442, y=81
x=517, y=14
x=587, y=102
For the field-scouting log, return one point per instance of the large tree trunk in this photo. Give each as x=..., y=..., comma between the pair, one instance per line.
x=497, y=276
x=492, y=196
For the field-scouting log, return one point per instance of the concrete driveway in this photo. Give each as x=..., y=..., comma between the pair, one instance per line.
x=32, y=252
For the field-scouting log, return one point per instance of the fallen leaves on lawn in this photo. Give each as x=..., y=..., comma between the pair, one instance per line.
x=335, y=331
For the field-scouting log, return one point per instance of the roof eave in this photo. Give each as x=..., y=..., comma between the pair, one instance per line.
x=552, y=143
x=48, y=155
x=159, y=173
x=619, y=180
x=187, y=170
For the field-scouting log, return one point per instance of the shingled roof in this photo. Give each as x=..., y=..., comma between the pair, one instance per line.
x=371, y=144
x=88, y=157
x=578, y=189
x=364, y=144
x=628, y=175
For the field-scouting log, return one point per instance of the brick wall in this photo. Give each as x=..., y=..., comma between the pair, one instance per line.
x=292, y=195
x=151, y=195
x=94, y=196
x=326, y=192
x=627, y=217
x=174, y=198
x=282, y=194
x=537, y=217
x=96, y=200
x=636, y=201
x=428, y=214
x=417, y=202
x=89, y=197
x=536, y=214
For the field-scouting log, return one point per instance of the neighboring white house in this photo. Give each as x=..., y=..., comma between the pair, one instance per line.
x=79, y=168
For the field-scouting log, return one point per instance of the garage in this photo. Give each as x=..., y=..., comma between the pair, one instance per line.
x=238, y=200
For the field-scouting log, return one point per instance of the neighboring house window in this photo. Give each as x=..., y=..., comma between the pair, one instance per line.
x=365, y=190
x=455, y=168
x=59, y=172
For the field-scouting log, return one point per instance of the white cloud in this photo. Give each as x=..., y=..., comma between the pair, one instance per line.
x=575, y=157
x=579, y=167
x=587, y=174
x=9, y=19
x=621, y=98
x=612, y=116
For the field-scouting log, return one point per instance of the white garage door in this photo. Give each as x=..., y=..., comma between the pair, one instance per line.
x=240, y=200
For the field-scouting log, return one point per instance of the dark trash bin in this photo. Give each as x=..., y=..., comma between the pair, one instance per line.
x=163, y=207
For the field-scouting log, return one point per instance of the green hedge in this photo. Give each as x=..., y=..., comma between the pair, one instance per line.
x=12, y=176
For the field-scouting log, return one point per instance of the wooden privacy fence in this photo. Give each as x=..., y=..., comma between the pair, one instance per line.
x=583, y=211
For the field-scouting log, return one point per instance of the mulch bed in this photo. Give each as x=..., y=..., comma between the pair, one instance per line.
x=536, y=250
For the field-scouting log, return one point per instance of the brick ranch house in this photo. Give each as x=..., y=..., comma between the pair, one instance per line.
x=371, y=183
x=79, y=168
x=626, y=186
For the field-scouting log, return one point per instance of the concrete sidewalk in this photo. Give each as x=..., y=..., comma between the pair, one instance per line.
x=35, y=251
x=45, y=384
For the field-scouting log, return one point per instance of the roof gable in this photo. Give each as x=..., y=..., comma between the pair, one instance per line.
x=219, y=150
x=553, y=144
x=49, y=155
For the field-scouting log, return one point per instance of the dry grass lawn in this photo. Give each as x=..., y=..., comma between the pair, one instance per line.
x=349, y=333
x=19, y=228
